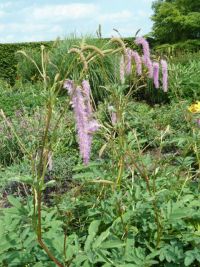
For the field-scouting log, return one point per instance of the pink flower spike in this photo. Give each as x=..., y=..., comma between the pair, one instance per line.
x=138, y=62
x=128, y=63
x=122, y=69
x=87, y=90
x=69, y=85
x=145, y=46
x=149, y=65
x=156, y=74
x=164, y=75
x=81, y=123
x=93, y=126
x=85, y=125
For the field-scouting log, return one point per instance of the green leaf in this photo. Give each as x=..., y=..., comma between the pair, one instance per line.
x=39, y=264
x=26, y=179
x=14, y=201
x=128, y=265
x=93, y=229
x=4, y=246
x=50, y=183
x=112, y=244
x=189, y=260
x=101, y=238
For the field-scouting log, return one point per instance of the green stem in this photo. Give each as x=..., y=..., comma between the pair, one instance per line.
x=120, y=172
x=39, y=231
x=45, y=138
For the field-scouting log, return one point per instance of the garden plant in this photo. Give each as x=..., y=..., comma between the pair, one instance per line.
x=101, y=158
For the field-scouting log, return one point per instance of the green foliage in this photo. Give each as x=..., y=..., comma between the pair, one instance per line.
x=107, y=228
x=185, y=58
x=179, y=49
x=184, y=79
x=24, y=106
x=126, y=233
x=135, y=204
x=100, y=72
x=8, y=60
x=19, y=248
x=175, y=21
x=21, y=96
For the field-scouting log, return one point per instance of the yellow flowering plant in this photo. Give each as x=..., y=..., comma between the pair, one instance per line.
x=195, y=108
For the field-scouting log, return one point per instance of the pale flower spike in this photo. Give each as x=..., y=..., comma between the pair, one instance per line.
x=145, y=46
x=83, y=113
x=149, y=65
x=122, y=69
x=128, y=64
x=138, y=62
x=156, y=74
x=164, y=75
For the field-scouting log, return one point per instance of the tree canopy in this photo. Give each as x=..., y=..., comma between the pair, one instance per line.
x=176, y=20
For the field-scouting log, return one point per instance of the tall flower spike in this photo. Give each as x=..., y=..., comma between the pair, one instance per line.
x=149, y=65
x=138, y=62
x=69, y=85
x=87, y=90
x=93, y=125
x=86, y=126
x=164, y=75
x=81, y=119
x=82, y=124
x=145, y=46
x=128, y=63
x=146, y=54
x=122, y=69
x=156, y=74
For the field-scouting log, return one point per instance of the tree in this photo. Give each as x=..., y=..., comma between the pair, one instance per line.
x=176, y=20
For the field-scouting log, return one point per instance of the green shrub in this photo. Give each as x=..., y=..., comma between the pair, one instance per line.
x=19, y=97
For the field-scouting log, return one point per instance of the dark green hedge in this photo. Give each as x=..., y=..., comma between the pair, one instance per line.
x=179, y=48
x=8, y=59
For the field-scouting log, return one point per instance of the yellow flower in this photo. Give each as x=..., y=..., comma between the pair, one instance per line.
x=195, y=108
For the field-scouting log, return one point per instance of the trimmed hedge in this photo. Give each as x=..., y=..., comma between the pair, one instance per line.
x=8, y=59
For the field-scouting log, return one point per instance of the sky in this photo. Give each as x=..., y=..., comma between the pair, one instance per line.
x=43, y=20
